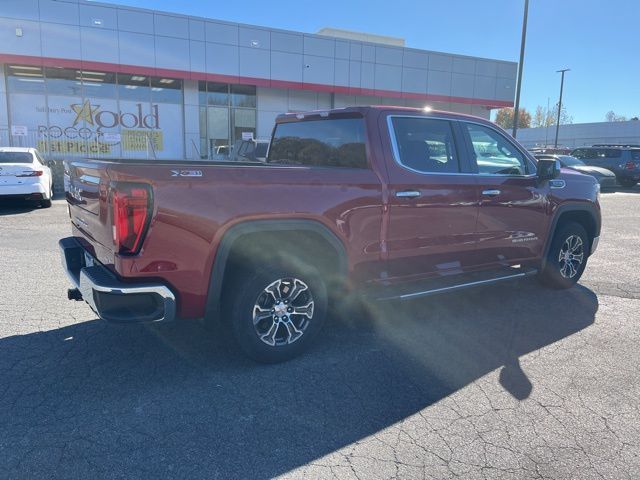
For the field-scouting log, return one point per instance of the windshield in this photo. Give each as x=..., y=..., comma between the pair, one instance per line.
x=15, y=157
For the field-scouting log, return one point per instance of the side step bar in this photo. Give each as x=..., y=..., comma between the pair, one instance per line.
x=448, y=284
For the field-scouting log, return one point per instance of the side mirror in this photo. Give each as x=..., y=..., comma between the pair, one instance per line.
x=548, y=169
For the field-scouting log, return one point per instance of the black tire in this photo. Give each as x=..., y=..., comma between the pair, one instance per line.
x=559, y=272
x=627, y=182
x=246, y=291
x=45, y=203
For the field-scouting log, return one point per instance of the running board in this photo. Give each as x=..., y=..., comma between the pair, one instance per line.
x=451, y=283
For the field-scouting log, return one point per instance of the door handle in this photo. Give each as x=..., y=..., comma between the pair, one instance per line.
x=491, y=193
x=408, y=194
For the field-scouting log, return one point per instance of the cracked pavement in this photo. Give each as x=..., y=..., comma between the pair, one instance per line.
x=511, y=381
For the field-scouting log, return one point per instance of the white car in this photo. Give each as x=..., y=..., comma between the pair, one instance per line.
x=24, y=174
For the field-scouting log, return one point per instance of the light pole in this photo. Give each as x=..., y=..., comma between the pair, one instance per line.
x=560, y=103
x=516, y=110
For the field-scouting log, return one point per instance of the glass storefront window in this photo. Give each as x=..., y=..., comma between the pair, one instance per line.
x=166, y=90
x=220, y=125
x=134, y=87
x=92, y=114
x=61, y=81
x=98, y=84
x=25, y=79
x=218, y=132
x=244, y=121
x=217, y=94
x=202, y=92
x=243, y=96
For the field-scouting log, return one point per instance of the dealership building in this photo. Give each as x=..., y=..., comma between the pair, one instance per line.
x=82, y=78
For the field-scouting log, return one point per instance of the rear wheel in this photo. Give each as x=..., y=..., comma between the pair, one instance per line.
x=276, y=312
x=46, y=202
x=567, y=257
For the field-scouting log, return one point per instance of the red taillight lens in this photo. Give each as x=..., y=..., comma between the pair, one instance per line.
x=131, y=216
x=630, y=165
x=32, y=173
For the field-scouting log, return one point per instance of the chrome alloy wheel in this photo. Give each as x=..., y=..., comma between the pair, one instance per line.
x=282, y=312
x=571, y=256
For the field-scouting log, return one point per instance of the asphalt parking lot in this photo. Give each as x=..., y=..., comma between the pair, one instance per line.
x=512, y=381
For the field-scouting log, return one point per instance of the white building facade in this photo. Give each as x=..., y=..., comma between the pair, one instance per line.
x=583, y=134
x=82, y=78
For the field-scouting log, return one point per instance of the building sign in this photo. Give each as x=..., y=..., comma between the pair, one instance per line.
x=111, y=137
x=19, y=130
x=102, y=127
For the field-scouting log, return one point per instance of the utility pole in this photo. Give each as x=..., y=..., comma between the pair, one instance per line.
x=516, y=110
x=546, y=124
x=560, y=103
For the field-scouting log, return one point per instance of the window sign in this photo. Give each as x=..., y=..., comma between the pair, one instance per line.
x=82, y=115
x=19, y=130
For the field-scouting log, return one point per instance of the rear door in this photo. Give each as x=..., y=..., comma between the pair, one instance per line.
x=433, y=200
x=512, y=220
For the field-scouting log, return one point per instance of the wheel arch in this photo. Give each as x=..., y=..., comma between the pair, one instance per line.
x=270, y=233
x=584, y=214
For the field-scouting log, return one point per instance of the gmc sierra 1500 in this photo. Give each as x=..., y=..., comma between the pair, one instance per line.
x=394, y=202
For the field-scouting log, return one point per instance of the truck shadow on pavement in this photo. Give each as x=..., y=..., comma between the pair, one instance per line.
x=177, y=401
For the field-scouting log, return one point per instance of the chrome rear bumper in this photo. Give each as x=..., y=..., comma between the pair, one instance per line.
x=110, y=298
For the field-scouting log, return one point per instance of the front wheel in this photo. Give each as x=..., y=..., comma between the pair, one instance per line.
x=567, y=257
x=277, y=312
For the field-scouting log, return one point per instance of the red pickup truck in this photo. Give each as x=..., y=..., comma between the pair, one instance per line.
x=390, y=203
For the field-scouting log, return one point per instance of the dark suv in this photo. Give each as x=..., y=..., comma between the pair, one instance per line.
x=623, y=160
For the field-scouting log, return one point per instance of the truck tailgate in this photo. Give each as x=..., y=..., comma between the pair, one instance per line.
x=88, y=207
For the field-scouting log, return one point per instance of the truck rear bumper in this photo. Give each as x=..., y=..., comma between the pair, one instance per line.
x=110, y=298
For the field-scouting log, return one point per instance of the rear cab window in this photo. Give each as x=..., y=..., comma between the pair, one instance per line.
x=424, y=145
x=320, y=142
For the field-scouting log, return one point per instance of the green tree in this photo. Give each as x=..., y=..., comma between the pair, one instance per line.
x=504, y=118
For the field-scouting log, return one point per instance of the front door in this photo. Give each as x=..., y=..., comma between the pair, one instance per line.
x=512, y=220
x=433, y=199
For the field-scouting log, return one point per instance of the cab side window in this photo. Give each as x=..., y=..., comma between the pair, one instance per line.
x=494, y=153
x=425, y=145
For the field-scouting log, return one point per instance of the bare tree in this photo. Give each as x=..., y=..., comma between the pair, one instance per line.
x=546, y=117
x=612, y=117
x=543, y=117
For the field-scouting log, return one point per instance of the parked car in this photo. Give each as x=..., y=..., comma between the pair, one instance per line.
x=606, y=178
x=551, y=150
x=386, y=203
x=622, y=160
x=220, y=152
x=249, y=151
x=24, y=174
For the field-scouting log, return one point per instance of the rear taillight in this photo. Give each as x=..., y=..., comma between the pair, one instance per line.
x=30, y=173
x=131, y=216
x=630, y=165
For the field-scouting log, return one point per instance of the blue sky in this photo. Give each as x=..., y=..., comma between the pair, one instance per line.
x=598, y=40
